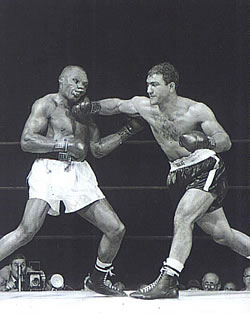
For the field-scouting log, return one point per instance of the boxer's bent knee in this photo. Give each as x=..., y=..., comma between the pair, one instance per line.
x=182, y=220
x=222, y=237
x=25, y=234
x=117, y=231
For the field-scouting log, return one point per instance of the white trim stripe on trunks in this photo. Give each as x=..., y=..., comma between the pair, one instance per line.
x=211, y=175
x=192, y=159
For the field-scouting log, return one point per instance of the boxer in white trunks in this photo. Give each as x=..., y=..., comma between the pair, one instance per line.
x=191, y=137
x=61, y=173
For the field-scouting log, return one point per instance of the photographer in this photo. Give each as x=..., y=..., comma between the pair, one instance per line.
x=10, y=274
x=17, y=276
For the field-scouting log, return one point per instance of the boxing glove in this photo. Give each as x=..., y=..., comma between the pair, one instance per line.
x=196, y=140
x=85, y=107
x=132, y=127
x=73, y=148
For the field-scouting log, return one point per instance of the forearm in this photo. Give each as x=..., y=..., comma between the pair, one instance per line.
x=101, y=147
x=222, y=142
x=106, y=145
x=109, y=106
x=37, y=143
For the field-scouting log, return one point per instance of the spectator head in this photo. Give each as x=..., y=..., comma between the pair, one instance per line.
x=18, y=264
x=246, y=278
x=193, y=285
x=211, y=282
x=182, y=286
x=229, y=286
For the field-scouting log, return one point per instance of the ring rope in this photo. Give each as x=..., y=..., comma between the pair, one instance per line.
x=125, y=187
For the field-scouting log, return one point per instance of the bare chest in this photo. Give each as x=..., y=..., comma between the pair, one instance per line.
x=62, y=123
x=170, y=129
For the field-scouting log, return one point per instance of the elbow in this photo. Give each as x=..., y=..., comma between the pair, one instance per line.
x=97, y=155
x=224, y=145
x=97, y=152
x=24, y=144
x=228, y=143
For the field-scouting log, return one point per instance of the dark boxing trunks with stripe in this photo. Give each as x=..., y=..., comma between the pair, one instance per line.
x=208, y=175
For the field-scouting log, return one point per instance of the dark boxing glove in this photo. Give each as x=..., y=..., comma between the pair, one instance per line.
x=85, y=107
x=196, y=140
x=132, y=127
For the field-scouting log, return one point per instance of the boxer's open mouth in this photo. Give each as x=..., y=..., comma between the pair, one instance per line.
x=76, y=93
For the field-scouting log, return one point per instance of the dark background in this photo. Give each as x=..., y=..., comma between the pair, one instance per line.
x=117, y=42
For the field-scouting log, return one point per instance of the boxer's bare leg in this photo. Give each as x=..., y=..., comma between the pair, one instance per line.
x=216, y=225
x=191, y=207
x=33, y=218
x=102, y=215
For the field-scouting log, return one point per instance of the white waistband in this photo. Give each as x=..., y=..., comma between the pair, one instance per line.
x=192, y=159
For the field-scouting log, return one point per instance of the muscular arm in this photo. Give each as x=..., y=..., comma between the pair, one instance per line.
x=32, y=139
x=213, y=129
x=101, y=147
x=111, y=106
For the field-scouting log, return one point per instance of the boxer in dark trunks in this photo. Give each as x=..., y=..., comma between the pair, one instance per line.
x=191, y=138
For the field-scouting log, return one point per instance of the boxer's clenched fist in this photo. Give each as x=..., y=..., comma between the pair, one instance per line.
x=196, y=140
x=85, y=107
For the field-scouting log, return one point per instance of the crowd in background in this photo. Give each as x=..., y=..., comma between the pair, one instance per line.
x=18, y=276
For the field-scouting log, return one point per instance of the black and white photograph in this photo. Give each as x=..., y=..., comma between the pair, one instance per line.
x=124, y=156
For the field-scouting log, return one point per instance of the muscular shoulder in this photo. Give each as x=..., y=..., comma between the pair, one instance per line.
x=134, y=105
x=200, y=111
x=141, y=103
x=45, y=105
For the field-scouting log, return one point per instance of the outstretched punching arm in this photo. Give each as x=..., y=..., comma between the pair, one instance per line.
x=101, y=147
x=109, y=106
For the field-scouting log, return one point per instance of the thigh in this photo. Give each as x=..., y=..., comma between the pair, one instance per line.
x=215, y=223
x=35, y=213
x=193, y=204
x=101, y=215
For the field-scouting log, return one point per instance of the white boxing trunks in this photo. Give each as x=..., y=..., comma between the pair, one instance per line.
x=74, y=183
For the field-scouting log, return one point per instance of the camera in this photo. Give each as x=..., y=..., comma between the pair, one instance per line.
x=36, y=277
x=36, y=280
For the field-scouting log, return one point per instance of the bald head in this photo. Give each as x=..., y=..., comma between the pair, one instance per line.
x=71, y=69
x=211, y=281
x=73, y=83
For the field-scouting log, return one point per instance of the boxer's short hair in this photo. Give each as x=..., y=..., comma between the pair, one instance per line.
x=168, y=71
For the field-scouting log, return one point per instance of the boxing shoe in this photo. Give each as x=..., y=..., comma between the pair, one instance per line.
x=100, y=284
x=165, y=286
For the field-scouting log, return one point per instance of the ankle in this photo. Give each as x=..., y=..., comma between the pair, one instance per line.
x=172, y=267
x=101, y=270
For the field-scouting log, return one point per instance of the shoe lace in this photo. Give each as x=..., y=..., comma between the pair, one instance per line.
x=107, y=282
x=154, y=283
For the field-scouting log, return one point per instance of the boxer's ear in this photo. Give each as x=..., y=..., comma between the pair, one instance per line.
x=172, y=86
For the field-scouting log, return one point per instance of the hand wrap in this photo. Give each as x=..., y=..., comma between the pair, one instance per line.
x=61, y=146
